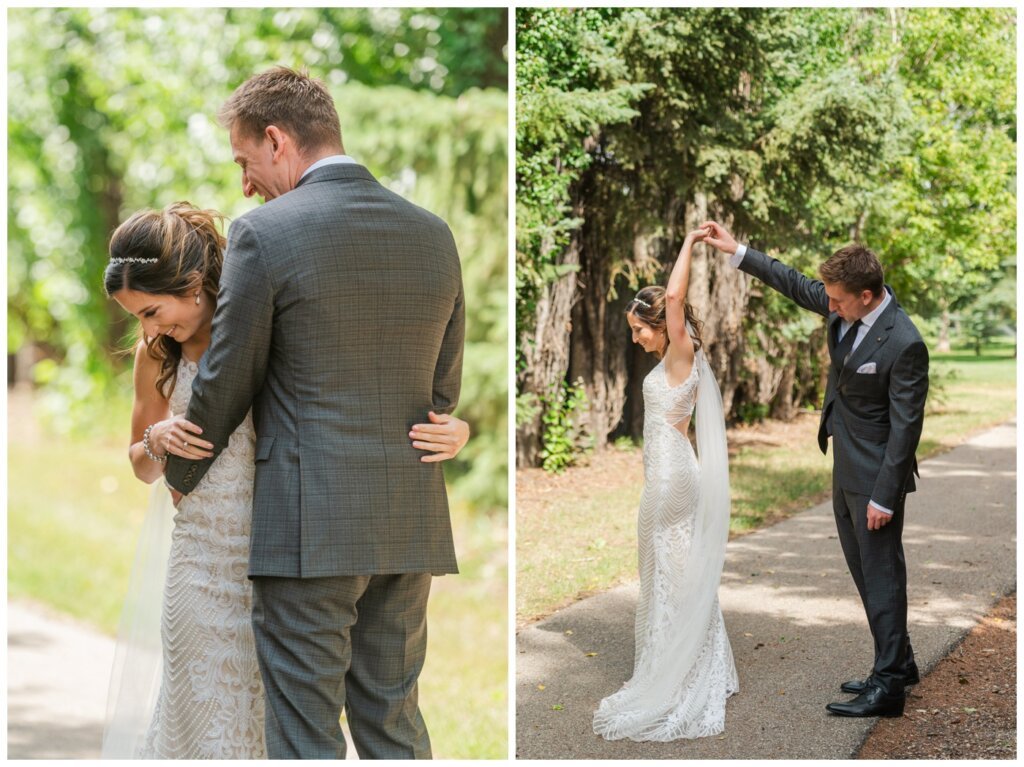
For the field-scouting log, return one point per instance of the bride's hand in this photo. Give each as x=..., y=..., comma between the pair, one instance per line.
x=444, y=437
x=698, y=235
x=179, y=436
x=719, y=238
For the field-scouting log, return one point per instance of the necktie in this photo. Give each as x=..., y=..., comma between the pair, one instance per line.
x=845, y=346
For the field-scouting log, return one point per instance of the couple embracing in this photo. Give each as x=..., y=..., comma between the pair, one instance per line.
x=293, y=388
x=873, y=411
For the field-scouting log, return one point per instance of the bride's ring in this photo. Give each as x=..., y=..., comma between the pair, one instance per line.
x=184, y=445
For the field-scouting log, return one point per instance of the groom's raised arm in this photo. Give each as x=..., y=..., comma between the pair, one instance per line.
x=799, y=288
x=234, y=367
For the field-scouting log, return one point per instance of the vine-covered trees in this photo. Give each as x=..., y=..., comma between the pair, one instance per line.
x=799, y=129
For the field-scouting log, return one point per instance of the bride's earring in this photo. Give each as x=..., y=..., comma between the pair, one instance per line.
x=197, y=299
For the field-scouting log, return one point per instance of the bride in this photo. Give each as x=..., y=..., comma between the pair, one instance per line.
x=683, y=667
x=188, y=610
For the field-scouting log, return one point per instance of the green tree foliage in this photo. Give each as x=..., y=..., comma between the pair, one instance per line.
x=114, y=110
x=800, y=129
x=946, y=218
x=568, y=85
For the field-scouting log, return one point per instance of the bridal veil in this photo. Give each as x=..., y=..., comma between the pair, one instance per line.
x=138, y=655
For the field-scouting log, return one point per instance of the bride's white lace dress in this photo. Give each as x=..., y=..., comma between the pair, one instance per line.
x=683, y=666
x=210, y=704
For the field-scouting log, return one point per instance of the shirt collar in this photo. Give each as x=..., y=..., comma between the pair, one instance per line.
x=871, y=317
x=334, y=159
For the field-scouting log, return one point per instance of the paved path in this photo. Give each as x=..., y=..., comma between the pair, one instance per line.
x=57, y=675
x=795, y=622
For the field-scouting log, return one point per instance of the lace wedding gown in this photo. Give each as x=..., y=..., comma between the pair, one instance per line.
x=683, y=667
x=210, y=704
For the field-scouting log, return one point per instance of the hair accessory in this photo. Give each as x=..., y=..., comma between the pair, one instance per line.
x=642, y=303
x=134, y=260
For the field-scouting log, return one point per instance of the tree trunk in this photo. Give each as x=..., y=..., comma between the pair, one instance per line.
x=546, y=353
x=944, y=321
x=718, y=294
x=598, y=360
x=783, y=407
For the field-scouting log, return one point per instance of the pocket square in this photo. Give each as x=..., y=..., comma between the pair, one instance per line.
x=868, y=367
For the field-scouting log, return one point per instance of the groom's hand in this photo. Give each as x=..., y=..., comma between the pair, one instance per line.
x=719, y=238
x=877, y=519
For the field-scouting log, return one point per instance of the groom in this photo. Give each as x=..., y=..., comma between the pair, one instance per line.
x=340, y=320
x=873, y=410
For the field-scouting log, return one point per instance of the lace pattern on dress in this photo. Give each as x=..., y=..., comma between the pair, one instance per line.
x=211, y=703
x=696, y=703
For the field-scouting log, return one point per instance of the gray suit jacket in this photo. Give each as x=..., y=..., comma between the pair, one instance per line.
x=340, y=321
x=874, y=419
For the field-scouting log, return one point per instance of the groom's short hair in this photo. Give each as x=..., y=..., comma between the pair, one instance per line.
x=856, y=268
x=293, y=101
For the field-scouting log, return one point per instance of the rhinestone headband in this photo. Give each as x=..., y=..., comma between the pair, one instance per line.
x=134, y=260
x=642, y=303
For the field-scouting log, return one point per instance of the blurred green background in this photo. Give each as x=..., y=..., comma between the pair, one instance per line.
x=110, y=111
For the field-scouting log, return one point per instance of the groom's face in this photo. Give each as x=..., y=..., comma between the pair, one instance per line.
x=849, y=306
x=260, y=174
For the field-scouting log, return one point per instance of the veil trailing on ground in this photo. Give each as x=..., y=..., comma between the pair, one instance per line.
x=648, y=707
x=138, y=656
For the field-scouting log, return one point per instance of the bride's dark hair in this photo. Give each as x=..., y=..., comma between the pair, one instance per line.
x=649, y=307
x=162, y=252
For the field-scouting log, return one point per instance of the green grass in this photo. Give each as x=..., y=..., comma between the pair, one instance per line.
x=574, y=539
x=464, y=685
x=769, y=483
x=74, y=512
x=972, y=393
x=582, y=542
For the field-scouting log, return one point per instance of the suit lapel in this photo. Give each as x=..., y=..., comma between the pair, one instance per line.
x=833, y=331
x=875, y=339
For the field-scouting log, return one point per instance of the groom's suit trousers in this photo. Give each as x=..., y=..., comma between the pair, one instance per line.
x=353, y=643
x=878, y=567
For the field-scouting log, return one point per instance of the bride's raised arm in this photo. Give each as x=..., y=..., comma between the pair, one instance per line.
x=675, y=291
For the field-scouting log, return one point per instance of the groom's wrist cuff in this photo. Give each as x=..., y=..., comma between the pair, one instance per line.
x=737, y=258
x=881, y=508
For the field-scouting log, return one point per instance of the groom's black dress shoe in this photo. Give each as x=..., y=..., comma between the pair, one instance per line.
x=872, y=702
x=857, y=686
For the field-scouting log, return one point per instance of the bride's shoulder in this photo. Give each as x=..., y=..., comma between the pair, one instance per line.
x=147, y=370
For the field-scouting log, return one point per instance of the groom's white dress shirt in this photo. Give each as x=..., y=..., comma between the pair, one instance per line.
x=334, y=159
x=866, y=321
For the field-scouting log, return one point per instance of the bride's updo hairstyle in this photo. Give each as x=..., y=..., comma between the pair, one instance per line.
x=648, y=306
x=160, y=252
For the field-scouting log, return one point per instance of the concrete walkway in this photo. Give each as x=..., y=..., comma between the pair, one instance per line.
x=794, y=619
x=57, y=676
x=58, y=671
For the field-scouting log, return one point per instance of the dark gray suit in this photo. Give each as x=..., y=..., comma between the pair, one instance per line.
x=340, y=321
x=875, y=422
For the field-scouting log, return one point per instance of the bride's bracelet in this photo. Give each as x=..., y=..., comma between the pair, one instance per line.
x=145, y=446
